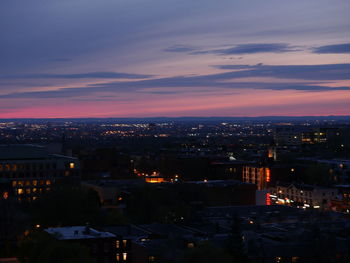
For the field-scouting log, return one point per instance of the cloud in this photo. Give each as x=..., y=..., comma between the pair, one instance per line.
x=313, y=76
x=304, y=72
x=333, y=49
x=89, y=75
x=180, y=48
x=251, y=49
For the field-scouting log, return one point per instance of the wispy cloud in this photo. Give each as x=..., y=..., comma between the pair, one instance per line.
x=306, y=72
x=89, y=75
x=180, y=48
x=333, y=49
x=310, y=78
x=256, y=48
x=252, y=48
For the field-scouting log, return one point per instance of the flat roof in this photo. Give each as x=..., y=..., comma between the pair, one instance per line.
x=22, y=151
x=77, y=232
x=27, y=152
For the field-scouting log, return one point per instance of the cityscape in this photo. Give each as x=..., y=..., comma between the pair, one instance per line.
x=171, y=131
x=175, y=189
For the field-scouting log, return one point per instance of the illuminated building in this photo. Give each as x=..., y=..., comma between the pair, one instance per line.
x=154, y=179
x=32, y=171
x=287, y=135
x=260, y=176
x=302, y=195
x=319, y=135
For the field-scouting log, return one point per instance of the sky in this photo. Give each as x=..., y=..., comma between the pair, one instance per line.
x=153, y=58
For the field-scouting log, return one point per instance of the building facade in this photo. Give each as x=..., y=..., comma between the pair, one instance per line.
x=302, y=195
x=32, y=171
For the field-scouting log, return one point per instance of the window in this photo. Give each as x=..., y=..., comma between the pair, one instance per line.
x=278, y=259
x=117, y=244
x=295, y=259
x=125, y=243
x=125, y=256
x=117, y=257
x=71, y=165
x=190, y=245
x=20, y=191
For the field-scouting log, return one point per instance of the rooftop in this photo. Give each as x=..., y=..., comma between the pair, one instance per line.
x=77, y=232
x=23, y=151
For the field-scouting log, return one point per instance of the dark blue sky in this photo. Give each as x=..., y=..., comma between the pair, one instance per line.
x=138, y=58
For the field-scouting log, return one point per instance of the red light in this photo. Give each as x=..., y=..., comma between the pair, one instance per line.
x=268, y=199
x=267, y=175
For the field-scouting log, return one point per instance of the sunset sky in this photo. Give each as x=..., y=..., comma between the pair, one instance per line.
x=151, y=58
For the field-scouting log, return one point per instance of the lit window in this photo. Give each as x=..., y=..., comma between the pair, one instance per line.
x=125, y=256
x=295, y=259
x=117, y=244
x=28, y=191
x=5, y=195
x=125, y=242
x=71, y=165
x=14, y=183
x=35, y=182
x=117, y=257
x=48, y=182
x=20, y=191
x=278, y=259
x=190, y=245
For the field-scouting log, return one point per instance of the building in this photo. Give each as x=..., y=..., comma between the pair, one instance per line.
x=260, y=176
x=339, y=169
x=104, y=247
x=32, y=171
x=302, y=195
x=342, y=203
x=287, y=135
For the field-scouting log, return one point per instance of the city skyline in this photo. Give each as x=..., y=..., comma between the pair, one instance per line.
x=174, y=58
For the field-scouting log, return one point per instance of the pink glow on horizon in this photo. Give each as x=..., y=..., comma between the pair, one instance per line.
x=218, y=103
